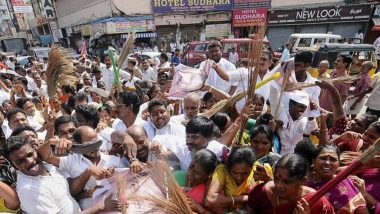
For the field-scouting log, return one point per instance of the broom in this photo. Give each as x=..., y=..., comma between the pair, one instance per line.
x=174, y=200
x=363, y=159
x=60, y=71
x=222, y=105
x=256, y=47
x=121, y=195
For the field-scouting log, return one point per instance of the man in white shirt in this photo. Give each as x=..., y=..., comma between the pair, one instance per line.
x=17, y=117
x=358, y=37
x=41, y=187
x=128, y=106
x=86, y=168
x=302, y=61
x=173, y=46
x=241, y=76
x=198, y=136
x=233, y=56
x=109, y=75
x=159, y=122
x=191, y=105
x=295, y=124
x=373, y=102
x=213, y=79
x=148, y=72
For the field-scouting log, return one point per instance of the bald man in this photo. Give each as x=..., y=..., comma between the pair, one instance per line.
x=86, y=168
x=140, y=137
x=191, y=105
x=322, y=69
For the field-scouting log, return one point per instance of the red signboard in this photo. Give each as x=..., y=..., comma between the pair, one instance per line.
x=249, y=17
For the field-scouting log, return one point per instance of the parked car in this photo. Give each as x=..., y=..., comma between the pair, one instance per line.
x=22, y=60
x=304, y=41
x=358, y=52
x=40, y=52
x=194, y=50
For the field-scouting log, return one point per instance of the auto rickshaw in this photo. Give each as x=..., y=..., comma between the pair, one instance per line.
x=329, y=52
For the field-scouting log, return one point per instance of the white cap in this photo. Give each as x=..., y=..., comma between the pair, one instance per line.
x=297, y=96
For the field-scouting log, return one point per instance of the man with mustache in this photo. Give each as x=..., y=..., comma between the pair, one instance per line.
x=198, y=136
x=191, y=105
x=41, y=187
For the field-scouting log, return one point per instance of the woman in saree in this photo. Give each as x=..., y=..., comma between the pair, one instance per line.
x=262, y=144
x=345, y=197
x=286, y=193
x=199, y=177
x=370, y=172
x=232, y=182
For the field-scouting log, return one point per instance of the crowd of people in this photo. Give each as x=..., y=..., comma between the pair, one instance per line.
x=246, y=159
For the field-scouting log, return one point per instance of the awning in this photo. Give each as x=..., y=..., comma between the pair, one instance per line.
x=376, y=24
x=142, y=35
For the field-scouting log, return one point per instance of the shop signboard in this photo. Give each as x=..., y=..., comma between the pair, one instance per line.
x=130, y=26
x=169, y=6
x=22, y=6
x=98, y=27
x=249, y=17
x=218, y=30
x=325, y=14
x=252, y=4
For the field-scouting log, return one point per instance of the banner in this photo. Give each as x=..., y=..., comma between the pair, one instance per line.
x=22, y=6
x=321, y=14
x=252, y=4
x=218, y=30
x=249, y=17
x=169, y=6
x=130, y=26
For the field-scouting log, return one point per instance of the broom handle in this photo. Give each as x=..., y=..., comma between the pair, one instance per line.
x=283, y=86
x=335, y=181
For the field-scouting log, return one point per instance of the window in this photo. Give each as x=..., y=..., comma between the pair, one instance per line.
x=292, y=40
x=319, y=40
x=200, y=47
x=304, y=42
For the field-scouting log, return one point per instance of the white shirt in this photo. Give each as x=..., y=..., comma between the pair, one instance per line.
x=214, y=79
x=373, y=101
x=119, y=125
x=109, y=76
x=149, y=74
x=173, y=46
x=293, y=131
x=314, y=91
x=241, y=75
x=178, y=119
x=31, y=84
x=233, y=57
x=74, y=165
x=4, y=96
x=131, y=82
x=170, y=129
x=178, y=146
x=45, y=194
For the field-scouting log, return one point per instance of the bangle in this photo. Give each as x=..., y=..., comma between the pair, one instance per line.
x=233, y=201
x=323, y=131
x=236, y=125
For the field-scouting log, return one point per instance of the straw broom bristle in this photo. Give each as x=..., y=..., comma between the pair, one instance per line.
x=290, y=86
x=60, y=70
x=222, y=105
x=127, y=48
x=371, y=152
x=173, y=200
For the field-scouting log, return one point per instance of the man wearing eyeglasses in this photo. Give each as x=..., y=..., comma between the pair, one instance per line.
x=128, y=107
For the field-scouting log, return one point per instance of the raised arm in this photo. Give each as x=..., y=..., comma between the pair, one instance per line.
x=338, y=112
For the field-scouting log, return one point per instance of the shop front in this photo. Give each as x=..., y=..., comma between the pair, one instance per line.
x=344, y=20
x=188, y=21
